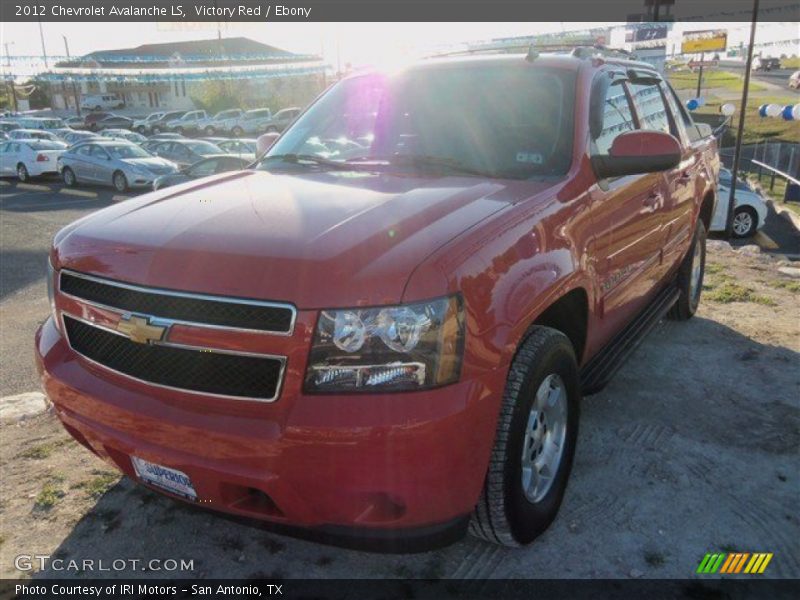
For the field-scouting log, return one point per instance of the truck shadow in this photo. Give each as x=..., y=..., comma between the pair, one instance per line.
x=700, y=412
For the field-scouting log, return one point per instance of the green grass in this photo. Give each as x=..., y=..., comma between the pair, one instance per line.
x=790, y=63
x=50, y=494
x=713, y=268
x=712, y=79
x=98, y=485
x=756, y=129
x=730, y=291
x=791, y=285
x=43, y=451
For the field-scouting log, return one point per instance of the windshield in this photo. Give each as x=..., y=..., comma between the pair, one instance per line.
x=126, y=151
x=506, y=121
x=203, y=148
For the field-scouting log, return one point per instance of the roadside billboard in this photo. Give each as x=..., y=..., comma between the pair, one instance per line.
x=708, y=40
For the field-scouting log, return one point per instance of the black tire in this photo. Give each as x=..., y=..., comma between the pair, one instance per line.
x=689, y=299
x=69, y=177
x=22, y=173
x=504, y=515
x=237, y=131
x=179, y=130
x=98, y=108
x=119, y=181
x=210, y=131
x=141, y=129
x=156, y=129
x=747, y=216
x=272, y=129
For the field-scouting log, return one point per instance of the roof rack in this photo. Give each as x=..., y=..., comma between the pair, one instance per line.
x=533, y=50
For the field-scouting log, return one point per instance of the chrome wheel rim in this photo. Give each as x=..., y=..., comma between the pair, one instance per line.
x=22, y=173
x=69, y=178
x=119, y=182
x=742, y=223
x=545, y=435
x=697, y=271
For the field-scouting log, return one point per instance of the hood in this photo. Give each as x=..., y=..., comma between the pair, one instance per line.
x=332, y=239
x=152, y=164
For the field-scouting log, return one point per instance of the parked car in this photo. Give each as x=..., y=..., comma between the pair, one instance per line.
x=185, y=152
x=188, y=123
x=794, y=80
x=166, y=136
x=113, y=122
x=159, y=126
x=61, y=133
x=393, y=343
x=143, y=125
x=241, y=147
x=222, y=122
x=282, y=119
x=29, y=158
x=252, y=122
x=120, y=164
x=79, y=136
x=32, y=134
x=98, y=102
x=765, y=64
x=7, y=126
x=75, y=122
x=220, y=163
x=124, y=134
x=47, y=123
x=750, y=209
x=91, y=119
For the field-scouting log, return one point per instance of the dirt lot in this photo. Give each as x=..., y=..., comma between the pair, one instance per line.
x=693, y=448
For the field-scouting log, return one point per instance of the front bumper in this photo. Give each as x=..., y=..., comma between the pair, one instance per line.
x=382, y=467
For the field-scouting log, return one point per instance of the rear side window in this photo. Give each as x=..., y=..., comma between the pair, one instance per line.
x=650, y=107
x=617, y=117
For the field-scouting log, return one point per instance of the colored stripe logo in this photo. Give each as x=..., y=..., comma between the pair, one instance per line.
x=734, y=562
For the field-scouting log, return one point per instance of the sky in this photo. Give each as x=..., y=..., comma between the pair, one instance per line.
x=339, y=43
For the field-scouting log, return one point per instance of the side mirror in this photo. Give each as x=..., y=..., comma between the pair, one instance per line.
x=638, y=152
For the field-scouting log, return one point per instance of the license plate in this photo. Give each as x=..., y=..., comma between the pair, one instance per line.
x=171, y=480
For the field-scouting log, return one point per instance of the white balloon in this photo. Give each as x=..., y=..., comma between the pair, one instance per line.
x=727, y=109
x=796, y=112
x=774, y=110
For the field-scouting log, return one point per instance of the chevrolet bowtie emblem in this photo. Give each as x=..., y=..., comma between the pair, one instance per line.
x=140, y=330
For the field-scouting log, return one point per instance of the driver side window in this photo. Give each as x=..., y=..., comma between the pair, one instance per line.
x=617, y=117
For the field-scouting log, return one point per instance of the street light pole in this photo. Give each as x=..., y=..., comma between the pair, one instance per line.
x=44, y=50
x=74, y=87
x=742, y=110
x=10, y=80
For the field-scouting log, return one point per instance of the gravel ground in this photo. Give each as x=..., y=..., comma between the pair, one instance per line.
x=692, y=448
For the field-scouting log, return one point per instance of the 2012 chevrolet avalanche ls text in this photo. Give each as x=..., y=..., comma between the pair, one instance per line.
x=383, y=330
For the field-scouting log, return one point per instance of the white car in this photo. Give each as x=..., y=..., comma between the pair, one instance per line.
x=101, y=101
x=29, y=158
x=32, y=134
x=750, y=210
x=143, y=125
x=222, y=122
x=794, y=80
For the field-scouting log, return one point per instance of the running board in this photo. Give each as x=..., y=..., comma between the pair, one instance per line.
x=602, y=367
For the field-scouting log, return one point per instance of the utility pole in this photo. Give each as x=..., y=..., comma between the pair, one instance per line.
x=10, y=80
x=44, y=50
x=74, y=87
x=700, y=75
x=742, y=109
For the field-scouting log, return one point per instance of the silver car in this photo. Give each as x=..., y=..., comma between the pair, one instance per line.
x=252, y=122
x=119, y=163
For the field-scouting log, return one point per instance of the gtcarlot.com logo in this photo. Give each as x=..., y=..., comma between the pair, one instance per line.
x=30, y=562
x=731, y=563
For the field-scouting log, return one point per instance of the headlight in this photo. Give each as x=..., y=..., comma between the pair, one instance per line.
x=51, y=290
x=408, y=347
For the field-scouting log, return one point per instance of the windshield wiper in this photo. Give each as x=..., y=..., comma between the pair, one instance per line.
x=297, y=159
x=422, y=161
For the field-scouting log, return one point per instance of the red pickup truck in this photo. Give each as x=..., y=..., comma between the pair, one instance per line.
x=382, y=332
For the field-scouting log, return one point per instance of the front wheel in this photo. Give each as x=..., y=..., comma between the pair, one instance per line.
x=237, y=131
x=745, y=222
x=119, y=181
x=534, y=444
x=22, y=173
x=140, y=129
x=210, y=131
x=690, y=277
x=156, y=129
x=179, y=130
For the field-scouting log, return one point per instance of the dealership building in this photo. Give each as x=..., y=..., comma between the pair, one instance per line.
x=154, y=76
